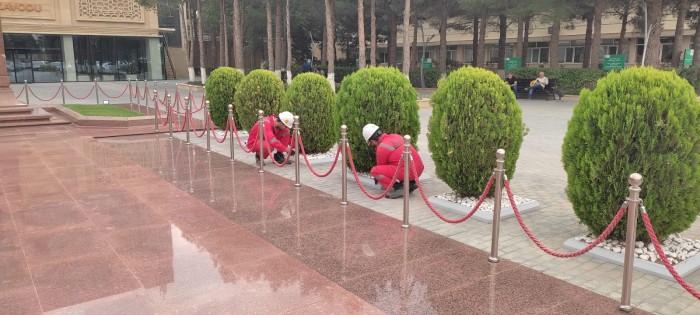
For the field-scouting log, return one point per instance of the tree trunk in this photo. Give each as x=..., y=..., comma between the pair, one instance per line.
x=678, y=38
x=361, y=33
x=330, y=47
x=238, y=36
x=279, y=55
x=222, y=38
x=442, y=64
x=475, y=42
x=554, y=45
x=392, y=38
x=518, y=51
x=696, y=47
x=653, y=58
x=202, y=57
x=186, y=37
x=502, y=36
x=597, y=29
x=373, y=34
x=289, y=45
x=270, y=39
x=621, y=47
x=406, y=63
x=324, y=42
x=414, y=45
x=588, y=41
x=526, y=40
x=482, y=41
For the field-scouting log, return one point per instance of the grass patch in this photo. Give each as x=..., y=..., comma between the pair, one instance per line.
x=102, y=110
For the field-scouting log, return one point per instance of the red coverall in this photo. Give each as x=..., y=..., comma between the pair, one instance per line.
x=275, y=138
x=389, y=154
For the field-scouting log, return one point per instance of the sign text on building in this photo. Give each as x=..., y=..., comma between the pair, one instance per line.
x=19, y=6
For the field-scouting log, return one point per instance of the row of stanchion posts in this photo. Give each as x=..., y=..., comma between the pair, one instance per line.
x=629, y=207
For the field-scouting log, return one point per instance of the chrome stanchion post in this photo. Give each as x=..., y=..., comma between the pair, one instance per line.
x=170, y=115
x=406, y=177
x=26, y=91
x=97, y=92
x=261, y=131
x=206, y=125
x=344, y=170
x=131, y=97
x=188, y=107
x=231, y=128
x=633, y=200
x=145, y=95
x=155, y=115
x=63, y=92
x=497, y=194
x=297, y=161
x=138, y=98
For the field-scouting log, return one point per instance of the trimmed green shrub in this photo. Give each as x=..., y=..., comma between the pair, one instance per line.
x=260, y=89
x=313, y=100
x=431, y=77
x=378, y=95
x=221, y=87
x=692, y=75
x=570, y=80
x=639, y=120
x=474, y=114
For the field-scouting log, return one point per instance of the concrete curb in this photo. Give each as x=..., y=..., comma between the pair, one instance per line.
x=484, y=216
x=99, y=121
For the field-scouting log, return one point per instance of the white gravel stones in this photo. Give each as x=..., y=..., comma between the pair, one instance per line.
x=676, y=248
x=326, y=155
x=488, y=203
x=221, y=133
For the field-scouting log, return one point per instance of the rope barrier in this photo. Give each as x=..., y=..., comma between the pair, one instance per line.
x=109, y=96
x=362, y=187
x=238, y=139
x=195, y=111
x=194, y=129
x=620, y=213
x=138, y=91
x=81, y=98
x=45, y=100
x=20, y=93
x=216, y=138
x=437, y=212
x=184, y=123
x=160, y=119
x=303, y=152
x=662, y=255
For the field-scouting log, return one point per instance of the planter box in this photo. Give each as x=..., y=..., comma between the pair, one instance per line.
x=484, y=216
x=186, y=87
x=657, y=269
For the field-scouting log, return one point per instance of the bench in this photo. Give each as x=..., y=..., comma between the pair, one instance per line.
x=550, y=90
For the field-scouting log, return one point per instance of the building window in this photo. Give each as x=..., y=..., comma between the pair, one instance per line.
x=538, y=52
x=468, y=54
x=33, y=57
x=452, y=53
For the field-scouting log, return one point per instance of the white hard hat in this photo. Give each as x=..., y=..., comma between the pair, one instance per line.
x=287, y=119
x=368, y=131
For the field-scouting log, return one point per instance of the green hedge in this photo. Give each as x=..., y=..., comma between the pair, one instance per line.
x=474, y=114
x=260, y=89
x=692, y=76
x=378, y=95
x=431, y=77
x=313, y=100
x=639, y=120
x=571, y=80
x=221, y=88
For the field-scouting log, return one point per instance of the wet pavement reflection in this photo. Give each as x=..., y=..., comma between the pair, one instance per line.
x=147, y=224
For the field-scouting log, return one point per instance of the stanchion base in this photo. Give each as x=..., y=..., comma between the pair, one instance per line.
x=625, y=308
x=494, y=259
x=208, y=151
x=261, y=172
x=344, y=203
x=188, y=143
x=297, y=185
x=405, y=226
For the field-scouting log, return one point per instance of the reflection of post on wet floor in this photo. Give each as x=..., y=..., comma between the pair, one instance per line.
x=298, y=215
x=172, y=162
x=262, y=199
x=158, y=152
x=342, y=272
x=189, y=168
x=211, y=180
x=234, y=202
x=492, y=289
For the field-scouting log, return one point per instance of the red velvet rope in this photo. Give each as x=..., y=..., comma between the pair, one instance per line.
x=80, y=98
x=362, y=187
x=620, y=213
x=662, y=255
x=303, y=152
x=45, y=100
x=437, y=212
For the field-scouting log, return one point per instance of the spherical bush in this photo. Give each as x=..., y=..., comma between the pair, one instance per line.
x=221, y=87
x=474, y=114
x=260, y=89
x=639, y=120
x=313, y=100
x=378, y=95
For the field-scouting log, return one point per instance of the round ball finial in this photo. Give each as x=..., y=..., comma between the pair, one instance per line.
x=344, y=128
x=296, y=117
x=500, y=153
x=407, y=138
x=260, y=112
x=230, y=106
x=636, y=179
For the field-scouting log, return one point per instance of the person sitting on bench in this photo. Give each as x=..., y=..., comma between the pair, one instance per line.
x=538, y=84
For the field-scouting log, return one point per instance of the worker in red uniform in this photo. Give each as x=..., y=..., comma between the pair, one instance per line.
x=389, y=149
x=277, y=136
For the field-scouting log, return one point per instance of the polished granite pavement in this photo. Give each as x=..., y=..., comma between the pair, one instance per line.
x=145, y=224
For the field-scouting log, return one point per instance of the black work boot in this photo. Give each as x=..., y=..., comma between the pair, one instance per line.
x=413, y=186
x=279, y=157
x=395, y=193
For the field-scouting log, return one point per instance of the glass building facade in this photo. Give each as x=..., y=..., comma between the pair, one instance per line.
x=52, y=58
